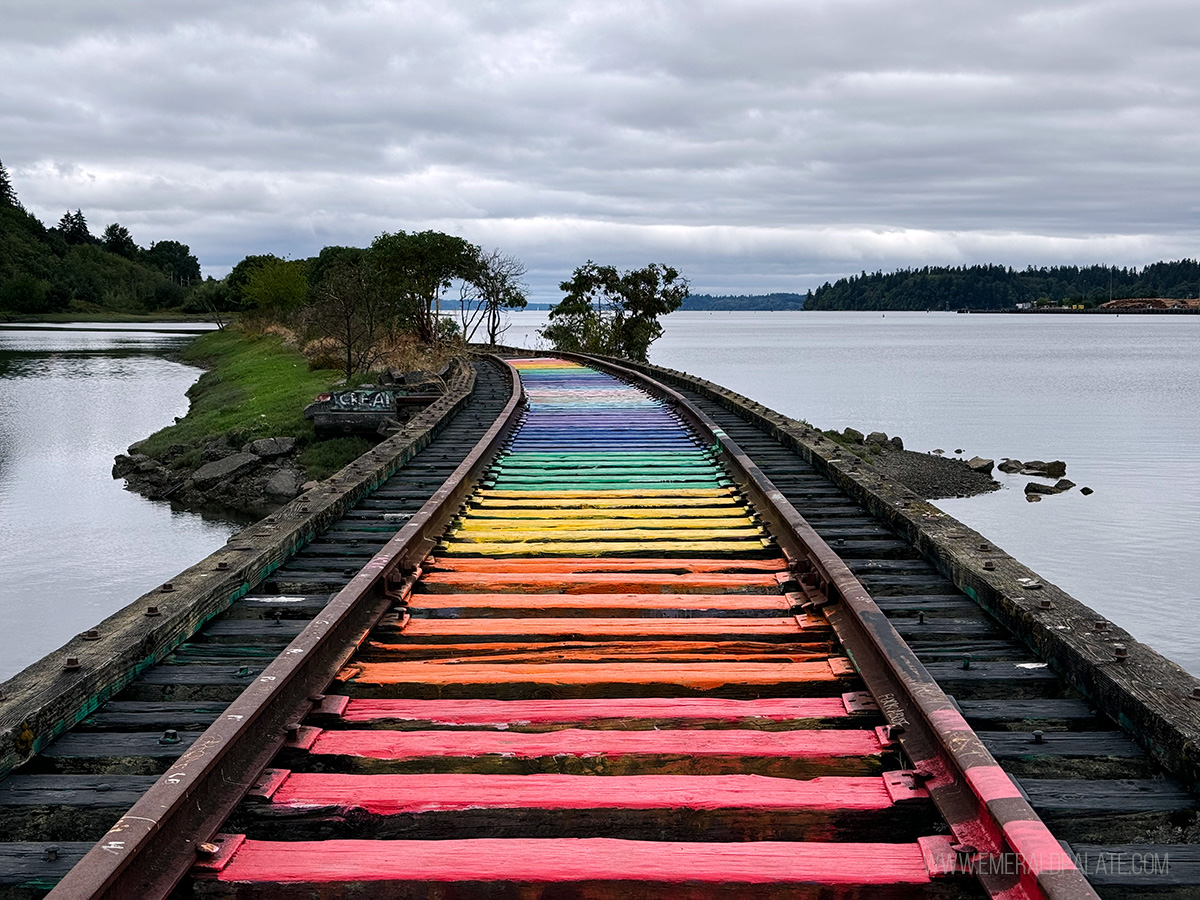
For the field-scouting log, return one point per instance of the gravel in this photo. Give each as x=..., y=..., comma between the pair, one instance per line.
x=933, y=477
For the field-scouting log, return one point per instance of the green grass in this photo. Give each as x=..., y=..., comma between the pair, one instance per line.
x=256, y=386
x=322, y=458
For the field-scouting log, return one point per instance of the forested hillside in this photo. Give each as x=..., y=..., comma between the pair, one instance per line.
x=67, y=268
x=995, y=287
x=744, y=302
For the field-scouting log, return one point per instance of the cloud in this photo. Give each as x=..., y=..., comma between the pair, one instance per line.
x=759, y=145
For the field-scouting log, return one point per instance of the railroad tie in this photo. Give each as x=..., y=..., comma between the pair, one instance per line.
x=602, y=685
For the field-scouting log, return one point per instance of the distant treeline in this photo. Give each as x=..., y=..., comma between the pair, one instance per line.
x=66, y=268
x=744, y=302
x=997, y=287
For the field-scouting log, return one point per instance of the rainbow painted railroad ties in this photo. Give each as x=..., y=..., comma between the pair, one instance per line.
x=600, y=688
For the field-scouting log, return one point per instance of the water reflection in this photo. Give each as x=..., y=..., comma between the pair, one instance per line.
x=75, y=546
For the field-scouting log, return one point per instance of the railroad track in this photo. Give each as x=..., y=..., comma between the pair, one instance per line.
x=622, y=670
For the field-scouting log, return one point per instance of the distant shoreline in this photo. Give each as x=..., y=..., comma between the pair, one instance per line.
x=1097, y=310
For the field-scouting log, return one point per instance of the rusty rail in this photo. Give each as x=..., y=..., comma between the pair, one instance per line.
x=999, y=837
x=149, y=850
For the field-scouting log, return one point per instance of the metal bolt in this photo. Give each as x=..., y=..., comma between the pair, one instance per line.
x=243, y=672
x=170, y=736
x=272, y=519
x=985, y=547
x=1195, y=693
x=316, y=698
x=71, y=664
x=1120, y=652
x=293, y=731
x=222, y=566
x=152, y=611
x=167, y=588
x=920, y=617
x=1101, y=625
x=208, y=849
x=91, y=635
x=50, y=853
x=966, y=662
x=989, y=566
x=1039, y=738
x=1046, y=603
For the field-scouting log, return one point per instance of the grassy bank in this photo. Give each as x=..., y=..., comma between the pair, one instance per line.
x=256, y=386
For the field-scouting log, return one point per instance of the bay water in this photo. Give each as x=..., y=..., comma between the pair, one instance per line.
x=1116, y=397
x=74, y=545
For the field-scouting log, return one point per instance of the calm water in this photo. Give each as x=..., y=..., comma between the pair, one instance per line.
x=75, y=546
x=1117, y=398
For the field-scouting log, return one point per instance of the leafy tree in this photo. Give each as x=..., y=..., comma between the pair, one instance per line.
x=8, y=194
x=348, y=307
x=74, y=228
x=175, y=260
x=212, y=297
x=416, y=269
x=117, y=239
x=614, y=314
x=496, y=288
x=25, y=294
x=239, y=276
x=277, y=288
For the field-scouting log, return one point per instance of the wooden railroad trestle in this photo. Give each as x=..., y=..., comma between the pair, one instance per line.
x=607, y=658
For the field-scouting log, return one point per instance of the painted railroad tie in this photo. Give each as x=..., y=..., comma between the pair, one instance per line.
x=602, y=685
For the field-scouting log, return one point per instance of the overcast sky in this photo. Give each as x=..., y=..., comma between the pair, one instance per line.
x=757, y=145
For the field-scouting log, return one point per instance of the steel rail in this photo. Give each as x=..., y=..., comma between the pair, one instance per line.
x=150, y=849
x=1000, y=838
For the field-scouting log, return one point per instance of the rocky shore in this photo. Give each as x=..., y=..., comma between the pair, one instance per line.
x=930, y=475
x=254, y=478
x=935, y=476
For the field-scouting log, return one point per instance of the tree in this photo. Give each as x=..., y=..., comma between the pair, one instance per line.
x=239, y=276
x=614, y=314
x=74, y=228
x=277, y=288
x=117, y=239
x=416, y=269
x=8, y=194
x=497, y=287
x=174, y=260
x=347, y=306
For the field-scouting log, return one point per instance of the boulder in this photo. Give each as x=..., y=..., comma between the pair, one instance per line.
x=853, y=435
x=1086, y=490
x=1011, y=466
x=123, y=464
x=979, y=464
x=1035, y=488
x=896, y=443
x=1055, y=469
x=218, y=448
x=1034, y=498
x=283, y=485
x=877, y=437
x=269, y=448
x=221, y=469
x=1064, y=484
x=309, y=485
x=938, y=452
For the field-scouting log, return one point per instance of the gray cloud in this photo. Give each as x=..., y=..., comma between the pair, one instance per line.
x=758, y=145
